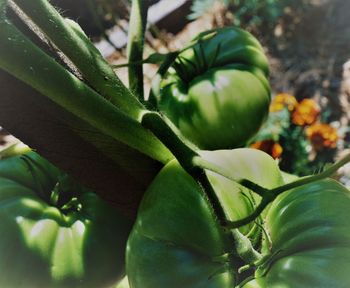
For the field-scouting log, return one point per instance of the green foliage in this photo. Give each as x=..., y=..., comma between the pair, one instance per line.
x=245, y=11
x=200, y=7
x=254, y=12
x=296, y=150
x=249, y=12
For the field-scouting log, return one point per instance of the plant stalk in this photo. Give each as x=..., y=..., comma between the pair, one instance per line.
x=137, y=28
x=67, y=36
x=185, y=154
x=21, y=58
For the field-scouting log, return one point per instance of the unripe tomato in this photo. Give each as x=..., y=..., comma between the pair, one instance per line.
x=217, y=92
x=310, y=233
x=66, y=239
x=177, y=240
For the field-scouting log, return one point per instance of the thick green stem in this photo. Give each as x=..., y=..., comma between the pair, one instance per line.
x=243, y=245
x=184, y=153
x=189, y=160
x=71, y=40
x=21, y=58
x=271, y=195
x=171, y=138
x=137, y=28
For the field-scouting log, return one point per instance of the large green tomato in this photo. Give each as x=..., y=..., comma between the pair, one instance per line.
x=217, y=92
x=67, y=239
x=310, y=234
x=177, y=240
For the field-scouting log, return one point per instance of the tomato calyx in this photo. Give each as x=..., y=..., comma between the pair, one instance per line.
x=72, y=205
x=203, y=65
x=64, y=196
x=65, y=192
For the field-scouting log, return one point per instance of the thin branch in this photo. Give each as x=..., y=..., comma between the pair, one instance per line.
x=272, y=194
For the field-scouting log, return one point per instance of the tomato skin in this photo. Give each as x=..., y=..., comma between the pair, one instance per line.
x=217, y=92
x=310, y=232
x=177, y=240
x=41, y=246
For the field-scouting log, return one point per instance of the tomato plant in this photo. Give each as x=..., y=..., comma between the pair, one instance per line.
x=54, y=233
x=216, y=91
x=189, y=231
x=177, y=240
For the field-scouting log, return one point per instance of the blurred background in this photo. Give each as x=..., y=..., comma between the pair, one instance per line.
x=308, y=46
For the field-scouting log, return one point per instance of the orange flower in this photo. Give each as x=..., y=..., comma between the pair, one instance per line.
x=282, y=100
x=322, y=136
x=270, y=147
x=306, y=112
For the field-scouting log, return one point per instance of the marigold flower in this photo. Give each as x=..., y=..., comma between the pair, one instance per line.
x=283, y=100
x=306, y=112
x=270, y=147
x=322, y=136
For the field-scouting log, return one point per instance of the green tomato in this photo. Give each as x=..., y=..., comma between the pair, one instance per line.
x=309, y=229
x=217, y=92
x=53, y=232
x=177, y=240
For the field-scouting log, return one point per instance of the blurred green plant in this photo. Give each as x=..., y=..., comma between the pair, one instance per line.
x=249, y=12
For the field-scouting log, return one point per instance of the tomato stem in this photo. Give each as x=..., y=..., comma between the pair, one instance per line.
x=137, y=25
x=154, y=95
x=271, y=195
x=72, y=41
x=309, y=179
x=190, y=160
x=185, y=154
x=55, y=83
x=171, y=137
